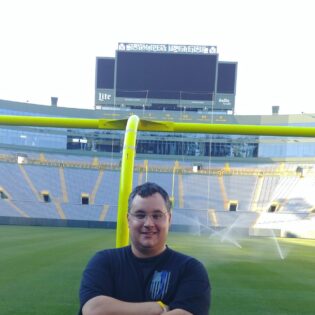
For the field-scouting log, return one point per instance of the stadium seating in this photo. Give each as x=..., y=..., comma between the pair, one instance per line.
x=201, y=200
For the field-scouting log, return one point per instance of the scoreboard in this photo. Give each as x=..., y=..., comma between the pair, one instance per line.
x=166, y=76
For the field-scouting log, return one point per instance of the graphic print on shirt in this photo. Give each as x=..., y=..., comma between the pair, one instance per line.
x=159, y=284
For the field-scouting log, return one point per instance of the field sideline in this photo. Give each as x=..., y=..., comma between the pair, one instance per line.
x=41, y=269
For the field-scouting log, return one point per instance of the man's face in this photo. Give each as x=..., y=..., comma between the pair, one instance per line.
x=149, y=222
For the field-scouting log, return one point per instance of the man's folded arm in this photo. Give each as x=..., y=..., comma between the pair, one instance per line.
x=178, y=311
x=105, y=305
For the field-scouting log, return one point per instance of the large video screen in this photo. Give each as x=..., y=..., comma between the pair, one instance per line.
x=165, y=75
x=105, y=72
x=226, y=82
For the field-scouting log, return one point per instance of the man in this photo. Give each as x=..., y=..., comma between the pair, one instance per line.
x=147, y=277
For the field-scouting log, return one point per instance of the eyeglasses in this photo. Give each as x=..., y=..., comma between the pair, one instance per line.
x=156, y=217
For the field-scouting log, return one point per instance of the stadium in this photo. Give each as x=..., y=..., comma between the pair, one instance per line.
x=237, y=195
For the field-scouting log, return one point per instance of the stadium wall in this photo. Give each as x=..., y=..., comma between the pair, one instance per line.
x=78, y=224
x=56, y=222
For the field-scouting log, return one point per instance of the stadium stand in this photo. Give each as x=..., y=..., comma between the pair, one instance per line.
x=200, y=199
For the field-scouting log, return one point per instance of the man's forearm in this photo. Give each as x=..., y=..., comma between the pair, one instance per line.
x=178, y=311
x=105, y=305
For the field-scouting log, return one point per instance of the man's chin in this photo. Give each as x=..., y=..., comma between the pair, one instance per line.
x=148, y=243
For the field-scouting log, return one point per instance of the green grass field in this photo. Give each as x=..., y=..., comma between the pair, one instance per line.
x=41, y=269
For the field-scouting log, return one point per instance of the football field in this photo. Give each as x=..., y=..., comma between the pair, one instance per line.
x=41, y=269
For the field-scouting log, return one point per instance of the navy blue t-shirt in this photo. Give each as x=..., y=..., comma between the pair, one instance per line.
x=178, y=280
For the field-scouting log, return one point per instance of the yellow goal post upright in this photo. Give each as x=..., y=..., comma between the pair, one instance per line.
x=131, y=126
x=126, y=180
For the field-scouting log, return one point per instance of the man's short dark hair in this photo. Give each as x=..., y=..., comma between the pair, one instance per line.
x=149, y=189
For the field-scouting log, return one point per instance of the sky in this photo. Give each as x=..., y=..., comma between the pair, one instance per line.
x=48, y=48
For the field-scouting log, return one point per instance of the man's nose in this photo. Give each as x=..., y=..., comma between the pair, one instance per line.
x=148, y=220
